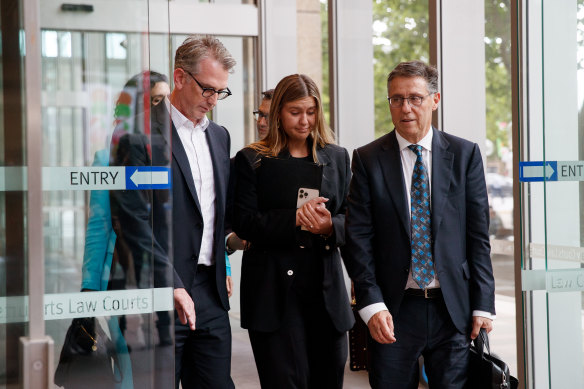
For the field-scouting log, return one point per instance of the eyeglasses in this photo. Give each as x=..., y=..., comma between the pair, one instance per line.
x=414, y=101
x=259, y=114
x=208, y=92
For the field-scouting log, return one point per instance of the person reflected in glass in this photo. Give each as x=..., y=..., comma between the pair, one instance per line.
x=294, y=302
x=102, y=269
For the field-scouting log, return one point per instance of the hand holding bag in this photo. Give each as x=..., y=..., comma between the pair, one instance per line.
x=487, y=371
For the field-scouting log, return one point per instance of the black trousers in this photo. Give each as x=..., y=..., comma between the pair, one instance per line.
x=203, y=356
x=305, y=352
x=422, y=327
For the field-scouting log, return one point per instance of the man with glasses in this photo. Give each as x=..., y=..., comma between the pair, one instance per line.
x=262, y=113
x=417, y=241
x=200, y=175
x=197, y=150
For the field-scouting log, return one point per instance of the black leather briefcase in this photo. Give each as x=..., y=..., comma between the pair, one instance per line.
x=487, y=371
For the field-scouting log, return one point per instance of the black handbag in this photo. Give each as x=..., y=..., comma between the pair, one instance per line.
x=358, y=352
x=88, y=357
x=487, y=371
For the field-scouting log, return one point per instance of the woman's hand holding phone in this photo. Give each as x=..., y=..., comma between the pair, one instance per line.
x=314, y=216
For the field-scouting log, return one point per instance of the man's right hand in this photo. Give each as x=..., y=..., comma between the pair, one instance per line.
x=185, y=307
x=381, y=327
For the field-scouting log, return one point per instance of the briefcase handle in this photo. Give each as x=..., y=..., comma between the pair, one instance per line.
x=482, y=342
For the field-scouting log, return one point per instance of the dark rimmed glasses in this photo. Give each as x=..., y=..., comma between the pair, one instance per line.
x=208, y=92
x=413, y=101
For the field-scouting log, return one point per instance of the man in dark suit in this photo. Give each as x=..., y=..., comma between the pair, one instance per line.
x=417, y=241
x=198, y=152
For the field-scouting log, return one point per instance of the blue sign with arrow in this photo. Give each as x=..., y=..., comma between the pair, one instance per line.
x=538, y=171
x=534, y=171
x=147, y=177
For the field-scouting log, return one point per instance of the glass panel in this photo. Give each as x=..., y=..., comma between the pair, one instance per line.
x=96, y=101
x=553, y=216
x=13, y=210
x=400, y=33
x=499, y=175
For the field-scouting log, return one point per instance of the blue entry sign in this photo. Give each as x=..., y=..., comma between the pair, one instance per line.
x=535, y=171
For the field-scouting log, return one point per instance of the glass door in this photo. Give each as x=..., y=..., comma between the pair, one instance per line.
x=551, y=170
x=13, y=195
x=98, y=271
x=106, y=205
x=104, y=286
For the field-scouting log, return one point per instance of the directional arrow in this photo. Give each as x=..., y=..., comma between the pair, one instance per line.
x=147, y=177
x=537, y=171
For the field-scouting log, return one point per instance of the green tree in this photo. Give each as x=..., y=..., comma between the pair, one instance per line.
x=498, y=73
x=401, y=33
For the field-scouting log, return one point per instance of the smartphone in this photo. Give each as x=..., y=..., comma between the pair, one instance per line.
x=305, y=195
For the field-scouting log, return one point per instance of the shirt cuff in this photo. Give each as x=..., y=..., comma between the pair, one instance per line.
x=488, y=315
x=370, y=310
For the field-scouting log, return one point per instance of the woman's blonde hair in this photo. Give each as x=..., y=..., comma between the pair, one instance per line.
x=292, y=88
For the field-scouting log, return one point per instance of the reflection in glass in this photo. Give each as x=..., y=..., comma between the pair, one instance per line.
x=85, y=105
x=13, y=208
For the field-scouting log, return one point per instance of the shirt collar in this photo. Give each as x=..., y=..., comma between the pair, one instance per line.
x=181, y=120
x=425, y=142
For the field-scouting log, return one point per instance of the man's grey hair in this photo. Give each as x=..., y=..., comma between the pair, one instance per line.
x=416, y=69
x=196, y=48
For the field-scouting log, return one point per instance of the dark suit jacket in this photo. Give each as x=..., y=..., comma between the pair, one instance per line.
x=269, y=266
x=377, y=253
x=145, y=216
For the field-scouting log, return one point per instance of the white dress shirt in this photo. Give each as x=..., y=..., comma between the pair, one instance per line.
x=195, y=144
x=408, y=160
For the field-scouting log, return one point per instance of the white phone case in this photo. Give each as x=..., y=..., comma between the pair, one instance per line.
x=305, y=195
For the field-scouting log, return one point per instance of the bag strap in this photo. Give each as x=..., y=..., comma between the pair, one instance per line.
x=482, y=342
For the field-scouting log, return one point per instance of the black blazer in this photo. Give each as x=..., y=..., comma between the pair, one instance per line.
x=269, y=266
x=148, y=233
x=377, y=253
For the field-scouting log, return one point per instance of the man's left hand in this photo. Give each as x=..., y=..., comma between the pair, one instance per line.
x=479, y=322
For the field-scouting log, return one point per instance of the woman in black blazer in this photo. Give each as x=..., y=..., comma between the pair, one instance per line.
x=293, y=297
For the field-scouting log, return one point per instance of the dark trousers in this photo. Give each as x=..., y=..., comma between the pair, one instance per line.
x=203, y=356
x=422, y=327
x=305, y=352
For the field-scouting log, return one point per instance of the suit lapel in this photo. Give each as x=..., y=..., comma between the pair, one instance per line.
x=392, y=170
x=442, y=161
x=180, y=156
